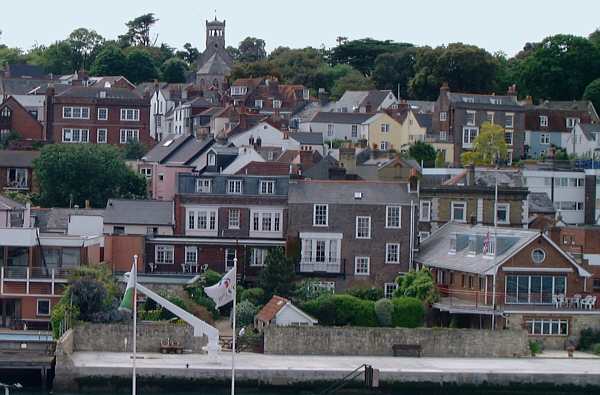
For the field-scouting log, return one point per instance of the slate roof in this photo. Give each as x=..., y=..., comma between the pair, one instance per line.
x=375, y=98
x=189, y=151
x=487, y=178
x=9, y=204
x=320, y=170
x=94, y=92
x=421, y=106
x=161, y=150
x=19, y=86
x=425, y=120
x=30, y=100
x=24, y=70
x=18, y=158
x=341, y=117
x=573, y=105
x=266, y=169
x=342, y=192
x=307, y=138
x=139, y=212
x=589, y=129
x=539, y=202
x=57, y=219
x=482, y=99
x=215, y=65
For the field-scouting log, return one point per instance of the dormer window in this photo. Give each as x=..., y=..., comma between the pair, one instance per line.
x=468, y=99
x=258, y=103
x=571, y=122
x=234, y=187
x=238, y=90
x=276, y=103
x=452, y=249
x=212, y=159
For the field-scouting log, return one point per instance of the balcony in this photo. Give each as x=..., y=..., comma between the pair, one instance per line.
x=18, y=237
x=327, y=267
x=23, y=280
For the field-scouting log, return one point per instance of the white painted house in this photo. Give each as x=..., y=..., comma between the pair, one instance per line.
x=265, y=135
x=584, y=141
x=281, y=312
x=337, y=125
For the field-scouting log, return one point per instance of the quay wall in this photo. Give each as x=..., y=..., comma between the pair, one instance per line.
x=434, y=342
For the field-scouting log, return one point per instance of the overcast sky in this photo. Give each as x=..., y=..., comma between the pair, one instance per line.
x=504, y=25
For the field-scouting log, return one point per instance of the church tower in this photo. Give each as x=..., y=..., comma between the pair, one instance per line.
x=214, y=64
x=215, y=35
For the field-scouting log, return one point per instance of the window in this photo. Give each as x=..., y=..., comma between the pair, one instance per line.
x=503, y=213
x=118, y=230
x=538, y=255
x=392, y=253
x=393, y=217
x=443, y=116
x=103, y=114
x=524, y=289
x=317, y=251
x=212, y=159
x=76, y=113
x=362, y=265
x=320, y=215
x=75, y=135
x=43, y=307
x=203, y=185
x=548, y=327
x=508, y=137
x=571, y=122
x=443, y=135
x=470, y=118
x=230, y=257
x=128, y=135
x=267, y=187
x=164, y=254
x=469, y=135
x=276, y=103
x=383, y=145
x=354, y=131
x=17, y=178
x=423, y=236
x=101, y=136
x=191, y=255
x=130, y=114
x=202, y=219
x=490, y=117
x=468, y=99
x=265, y=221
x=389, y=289
x=330, y=130
x=509, y=120
x=425, y=211
x=234, y=218
x=234, y=187
x=258, y=256
x=238, y=90
x=363, y=227
x=385, y=128
x=543, y=121
x=6, y=112
x=258, y=103
x=596, y=285
x=459, y=212
x=544, y=138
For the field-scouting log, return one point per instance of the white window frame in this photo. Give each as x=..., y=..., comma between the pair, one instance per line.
x=203, y=185
x=425, y=211
x=72, y=110
x=456, y=204
x=20, y=179
x=235, y=187
x=536, y=322
x=511, y=124
x=543, y=121
x=572, y=121
x=423, y=235
x=71, y=133
x=388, y=247
x=545, y=138
x=37, y=307
x=490, y=116
x=258, y=256
x=470, y=133
x=389, y=289
x=443, y=135
x=277, y=103
x=505, y=206
x=234, y=221
x=354, y=130
x=266, y=187
x=212, y=159
x=390, y=217
x=227, y=255
x=130, y=114
x=167, y=251
x=443, y=116
x=362, y=260
x=258, y=103
x=189, y=250
x=468, y=120
x=318, y=223
x=98, y=133
x=126, y=135
x=105, y=110
x=360, y=218
x=330, y=130
x=508, y=137
x=383, y=145
x=259, y=219
x=385, y=128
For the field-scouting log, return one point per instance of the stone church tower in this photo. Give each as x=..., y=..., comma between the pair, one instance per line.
x=215, y=63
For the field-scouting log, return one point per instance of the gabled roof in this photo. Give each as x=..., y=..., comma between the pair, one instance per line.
x=424, y=120
x=20, y=86
x=177, y=149
x=25, y=71
x=540, y=203
x=277, y=304
x=566, y=105
x=30, y=100
x=589, y=130
x=139, y=212
x=167, y=145
x=307, y=138
x=215, y=65
x=341, y=117
x=18, y=158
x=9, y=204
x=265, y=168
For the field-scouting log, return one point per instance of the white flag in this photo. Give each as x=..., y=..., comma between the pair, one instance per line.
x=223, y=291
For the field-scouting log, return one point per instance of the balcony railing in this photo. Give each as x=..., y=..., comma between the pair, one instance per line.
x=33, y=273
x=331, y=266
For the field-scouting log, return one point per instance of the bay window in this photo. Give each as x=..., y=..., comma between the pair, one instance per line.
x=526, y=289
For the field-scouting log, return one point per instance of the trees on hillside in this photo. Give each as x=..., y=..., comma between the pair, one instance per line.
x=252, y=49
x=592, y=92
x=361, y=54
x=110, y=61
x=393, y=70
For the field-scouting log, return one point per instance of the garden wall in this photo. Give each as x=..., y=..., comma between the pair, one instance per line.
x=435, y=342
x=111, y=337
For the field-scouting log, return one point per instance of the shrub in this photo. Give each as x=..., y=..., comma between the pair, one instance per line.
x=366, y=293
x=150, y=315
x=244, y=313
x=309, y=289
x=408, y=312
x=418, y=284
x=211, y=278
x=342, y=310
x=535, y=347
x=384, y=310
x=596, y=348
x=253, y=295
x=588, y=337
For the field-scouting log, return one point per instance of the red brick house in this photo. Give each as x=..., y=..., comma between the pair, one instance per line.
x=98, y=115
x=14, y=117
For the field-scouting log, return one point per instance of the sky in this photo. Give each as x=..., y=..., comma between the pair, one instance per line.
x=500, y=26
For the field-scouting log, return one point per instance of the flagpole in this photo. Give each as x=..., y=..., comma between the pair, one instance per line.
x=234, y=330
x=495, y=251
x=134, y=348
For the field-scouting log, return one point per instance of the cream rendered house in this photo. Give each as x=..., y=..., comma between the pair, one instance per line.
x=382, y=132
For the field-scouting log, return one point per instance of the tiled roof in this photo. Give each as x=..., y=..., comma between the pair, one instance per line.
x=539, y=202
x=167, y=145
x=266, y=168
x=270, y=310
x=139, y=212
x=341, y=117
x=18, y=158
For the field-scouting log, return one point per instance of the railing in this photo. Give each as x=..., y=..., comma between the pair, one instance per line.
x=33, y=273
x=332, y=266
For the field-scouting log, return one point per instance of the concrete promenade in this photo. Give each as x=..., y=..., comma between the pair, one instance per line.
x=287, y=369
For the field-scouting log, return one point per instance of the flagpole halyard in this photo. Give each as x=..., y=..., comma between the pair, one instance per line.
x=134, y=348
x=234, y=329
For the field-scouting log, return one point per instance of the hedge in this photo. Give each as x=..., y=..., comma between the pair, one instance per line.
x=342, y=310
x=408, y=312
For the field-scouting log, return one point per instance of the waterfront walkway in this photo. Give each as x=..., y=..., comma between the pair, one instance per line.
x=287, y=369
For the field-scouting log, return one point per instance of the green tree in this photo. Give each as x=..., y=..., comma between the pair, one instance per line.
x=423, y=153
x=559, y=68
x=138, y=31
x=417, y=284
x=110, y=61
x=466, y=68
x=489, y=146
x=394, y=70
x=261, y=68
x=408, y=312
x=277, y=277
x=57, y=58
x=440, y=159
x=173, y=70
x=252, y=49
x=298, y=66
x=70, y=174
x=10, y=56
x=140, y=66
x=361, y=54
x=233, y=52
x=244, y=313
x=189, y=55
x=134, y=150
x=85, y=44
x=354, y=80
x=592, y=92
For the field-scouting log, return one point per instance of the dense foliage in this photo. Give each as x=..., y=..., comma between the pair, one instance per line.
x=384, y=309
x=408, y=312
x=423, y=153
x=489, y=147
x=417, y=284
x=588, y=338
x=342, y=310
x=277, y=277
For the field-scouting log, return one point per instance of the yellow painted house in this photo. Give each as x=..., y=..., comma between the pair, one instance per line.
x=382, y=132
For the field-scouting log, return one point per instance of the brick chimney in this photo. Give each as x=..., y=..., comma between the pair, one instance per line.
x=470, y=175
